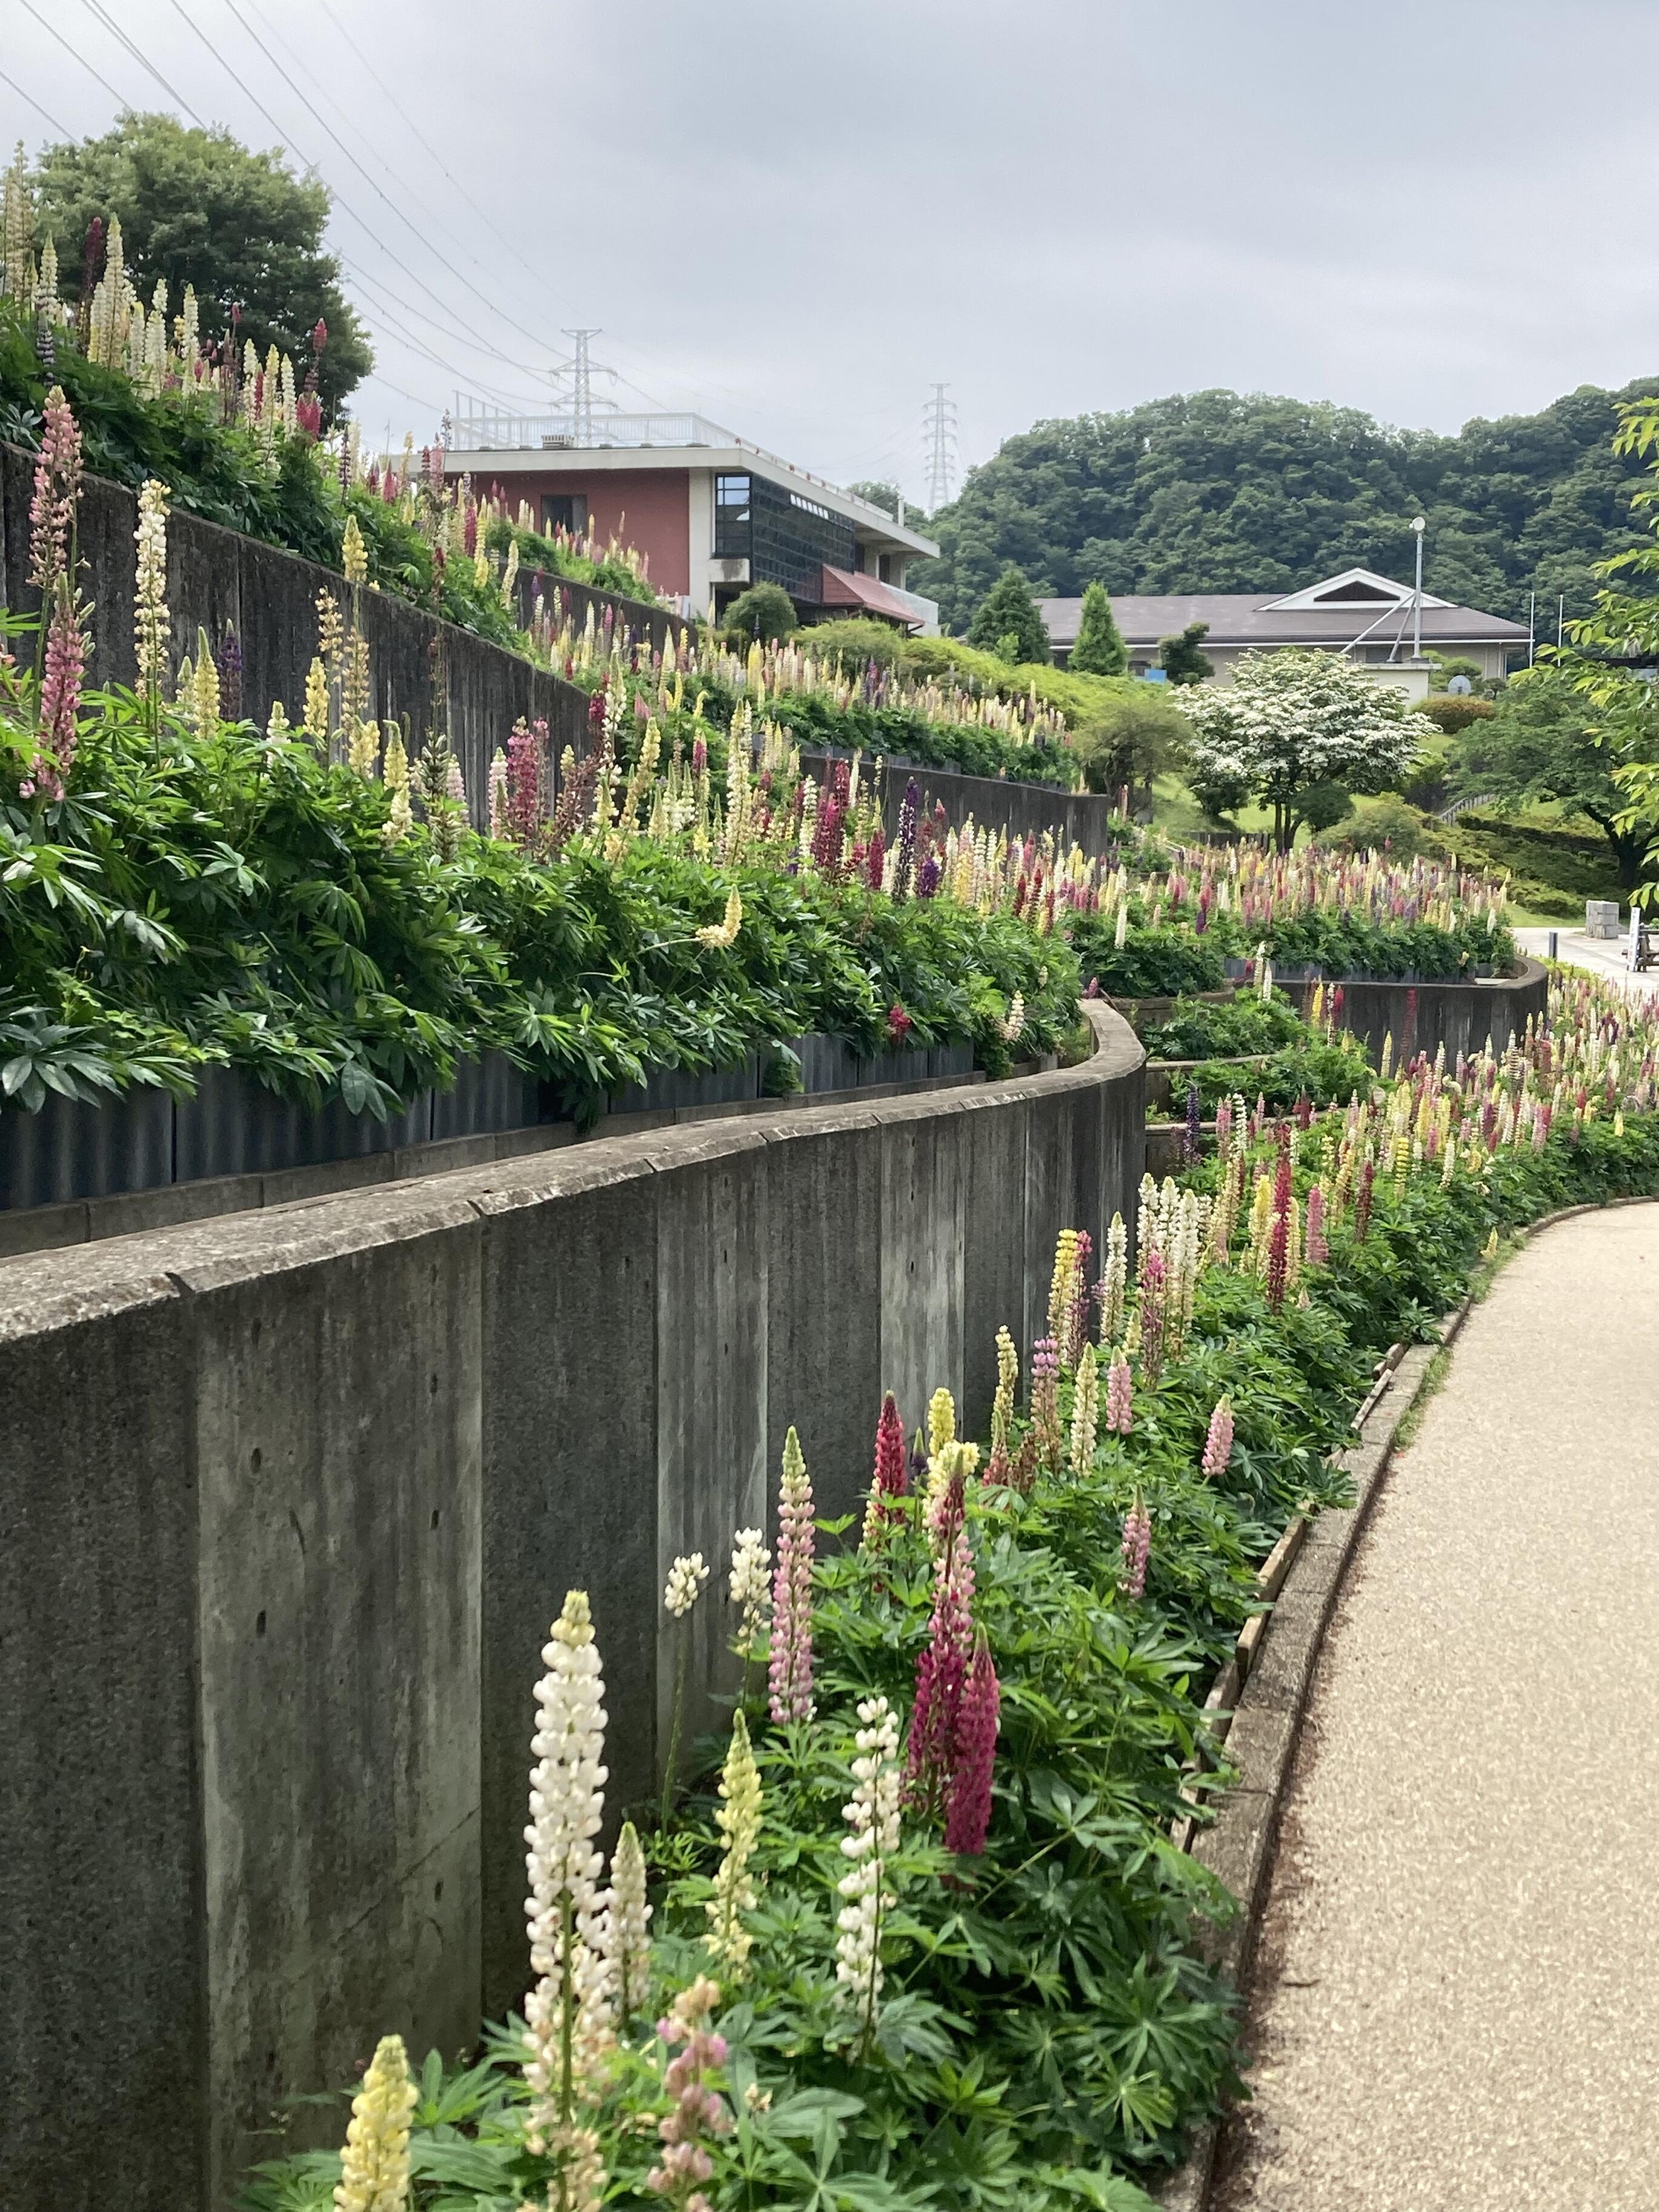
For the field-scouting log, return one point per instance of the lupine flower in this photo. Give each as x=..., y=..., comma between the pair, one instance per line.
x=567, y=2017
x=524, y=772
x=1045, y=1401
x=1318, y=1251
x=60, y=692
x=1195, y=1122
x=968, y=1809
x=728, y=1941
x=1362, y=1213
x=1023, y=1468
x=942, y=1673
x=1151, y=1312
x=57, y=494
x=904, y=846
x=1114, y=1281
x=720, y=934
x=791, y=1669
x=1085, y=1412
x=751, y=1588
x=1002, y=1405
x=1279, y=1249
x=1120, y=1397
x=696, y=2113
x=872, y=1818
x=1137, y=1545
x=151, y=622
x=941, y=1420
x=354, y=554
x=375, y=2164
x=1218, y=1444
x=624, y=1937
x=890, y=1481
x=686, y=1578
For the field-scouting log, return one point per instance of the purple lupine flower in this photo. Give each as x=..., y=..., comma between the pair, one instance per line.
x=927, y=878
x=968, y=1805
x=1137, y=1548
x=1218, y=1444
x=910, y=814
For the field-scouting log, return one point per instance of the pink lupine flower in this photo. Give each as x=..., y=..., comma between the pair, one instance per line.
x=1120, y=1398
x=60, y=694
x=790, y=1673
x=1137, y=1548
x=524, y=767
x=1153, y=1283
x=967, y=1808
x=875, y=859
x=891, y=1478
x=1218, y=1444
x=694, y=2111
x=57, y=489
x=1318, y=1250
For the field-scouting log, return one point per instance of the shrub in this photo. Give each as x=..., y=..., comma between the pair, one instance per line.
x=1007, y=623
x=1196, y=1029
x=763, y=612
x=1454, y=711
x=856, y=642
x=1390, y=823
x=1150, y=964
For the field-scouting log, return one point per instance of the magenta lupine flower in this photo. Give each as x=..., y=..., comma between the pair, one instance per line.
x=1218, y=1444
x=968, y=1806
x=1318, y=1251
x=875, y=859
x=790, y=1673
x=828, y=837
x=1279, y=1259
x=1137, y=1548
x=941, y=1675
x=1120, y=1398
x=523, y=773
x=890, y=1481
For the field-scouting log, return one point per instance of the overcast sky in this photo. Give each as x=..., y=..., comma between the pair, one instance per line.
x=797, y=219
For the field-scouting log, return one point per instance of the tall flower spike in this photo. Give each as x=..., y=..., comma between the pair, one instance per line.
x=1137, y=1546
x=791, y=1669
x=1086, y=1412
x=625, y=1939
x=566, y=2014
x=1120, y=1396
x=151, y=622
x=695, y=2114
x=375, y=2164
x=890, y=1481
x=728, y=1941
x=967, y=1807
x=750, y=1588
x=941, y=1420
x=1218, y=1444
x=941, y=1672
x=871, y=1846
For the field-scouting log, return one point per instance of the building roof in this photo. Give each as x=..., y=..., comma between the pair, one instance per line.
x=869, y=595
x=486, y=445
x=1338, y=611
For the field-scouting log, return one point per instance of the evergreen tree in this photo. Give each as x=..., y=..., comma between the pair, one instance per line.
x=1100, y=650
x=1007, y=622
x=1182, y=657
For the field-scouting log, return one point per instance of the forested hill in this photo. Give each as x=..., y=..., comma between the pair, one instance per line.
x=1216, y=491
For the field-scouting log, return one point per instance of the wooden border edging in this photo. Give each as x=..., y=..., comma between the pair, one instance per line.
x=1259, y=1698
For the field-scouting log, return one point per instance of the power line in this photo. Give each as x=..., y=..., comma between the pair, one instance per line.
x=29, y=101
x=99, y=14
x=47, y=25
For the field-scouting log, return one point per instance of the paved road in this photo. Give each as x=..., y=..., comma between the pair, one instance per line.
x=1457, y=2006
x=1597, y=956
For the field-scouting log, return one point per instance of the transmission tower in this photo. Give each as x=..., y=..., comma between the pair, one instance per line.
x=580, y=371
x=939, y=442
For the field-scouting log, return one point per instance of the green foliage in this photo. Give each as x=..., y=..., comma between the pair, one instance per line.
x=1136, y=732
x=1553, y=869
x=1100, y=650
x=1452, y=711
x=856, y=641
x=1387, y=823
x=1006, y=622
x=1546, y=740
x=1199, y=1029
x=1339, y=943
x=1182, y=658
x=1324, y=804
x=763, y=612
x=879, y=493
x=1169, y=961
x=1325, y=1071
x=1217, y=491
x=199, y=208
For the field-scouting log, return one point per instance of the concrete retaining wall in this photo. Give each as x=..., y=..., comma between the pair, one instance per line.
x=1024, y=810
x=287, y=1501
x=1423, y=1016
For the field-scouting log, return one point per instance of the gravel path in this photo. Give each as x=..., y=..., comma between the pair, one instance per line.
x=1456, y=2002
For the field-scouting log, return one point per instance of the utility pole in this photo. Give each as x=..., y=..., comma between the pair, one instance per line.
x=1560, y=621
x=1419, y=525
x=1532, y=624
x=580, y=369
x=939, y=439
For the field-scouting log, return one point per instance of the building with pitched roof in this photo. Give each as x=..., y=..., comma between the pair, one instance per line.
x=1370, y=618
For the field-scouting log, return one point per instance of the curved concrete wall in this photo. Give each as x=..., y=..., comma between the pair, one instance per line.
x=288, y=1500
x=1422, y=1017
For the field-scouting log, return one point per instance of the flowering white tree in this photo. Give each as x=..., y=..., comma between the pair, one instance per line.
x=1294, y=719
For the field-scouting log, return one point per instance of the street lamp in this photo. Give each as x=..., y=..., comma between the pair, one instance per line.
x=1419, y=525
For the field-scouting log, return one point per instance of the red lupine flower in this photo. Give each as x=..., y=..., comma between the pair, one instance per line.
x=968, y=1812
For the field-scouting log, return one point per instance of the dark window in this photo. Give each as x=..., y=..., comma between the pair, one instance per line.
x=565, y=510
x=731, y=518
x=793, y=538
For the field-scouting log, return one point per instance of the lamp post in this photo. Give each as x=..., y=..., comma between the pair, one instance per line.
x=1419, y=525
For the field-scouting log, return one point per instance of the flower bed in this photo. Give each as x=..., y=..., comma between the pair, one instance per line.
x=928, y=1942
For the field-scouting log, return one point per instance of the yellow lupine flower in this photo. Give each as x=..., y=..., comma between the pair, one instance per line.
x=375, y=2164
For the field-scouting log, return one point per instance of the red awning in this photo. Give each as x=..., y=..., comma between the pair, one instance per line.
x=841, y=588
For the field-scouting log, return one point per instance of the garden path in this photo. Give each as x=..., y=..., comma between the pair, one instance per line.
x=1456, y=2002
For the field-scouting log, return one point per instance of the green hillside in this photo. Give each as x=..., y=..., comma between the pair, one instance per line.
x=1216, y=491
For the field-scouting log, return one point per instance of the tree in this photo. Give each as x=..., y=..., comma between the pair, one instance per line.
x=878, y=494
x=1137, y=733
x=199, y=208
x=1545, y=742
x=1180, y=658
x=1100, y=650
x=1007, y=622
x=1216, y=491
x=1297, y=718
x=763, y=612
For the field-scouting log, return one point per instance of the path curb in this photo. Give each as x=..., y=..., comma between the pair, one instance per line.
x=1267, y=1680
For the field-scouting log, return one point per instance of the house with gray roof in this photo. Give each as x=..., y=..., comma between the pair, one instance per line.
x=1368, y=617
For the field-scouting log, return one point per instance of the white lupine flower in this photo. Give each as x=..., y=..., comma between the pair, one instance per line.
x=625, y=1935
x=151, y=622
x=872, y=1818
x=751, y=1587
x=566, y=2015
x=685, y=1580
